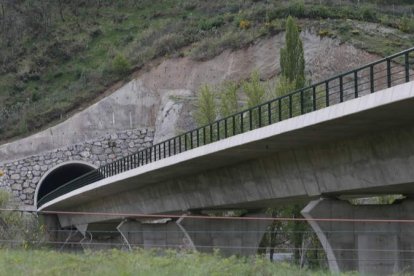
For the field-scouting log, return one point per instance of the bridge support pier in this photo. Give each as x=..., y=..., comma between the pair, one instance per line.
x=230, y=236
x=368, y=243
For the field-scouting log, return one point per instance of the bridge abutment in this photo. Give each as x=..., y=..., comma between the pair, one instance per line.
x=370, y=239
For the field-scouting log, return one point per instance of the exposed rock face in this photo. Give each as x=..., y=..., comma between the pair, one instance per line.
x=172, y=103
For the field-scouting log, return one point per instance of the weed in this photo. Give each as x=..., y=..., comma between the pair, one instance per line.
x=120, y=65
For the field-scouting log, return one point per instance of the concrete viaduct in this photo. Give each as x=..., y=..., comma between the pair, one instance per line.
x=358, y=144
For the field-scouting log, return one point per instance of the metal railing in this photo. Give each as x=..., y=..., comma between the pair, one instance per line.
x=376, y=76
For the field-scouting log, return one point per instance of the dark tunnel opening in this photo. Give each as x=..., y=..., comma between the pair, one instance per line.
x=60, y=176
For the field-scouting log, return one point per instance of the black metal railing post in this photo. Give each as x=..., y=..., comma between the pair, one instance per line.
x=269, y=113
x=371, y=77
x=407, y=67
x=356, y=83
x=314, y=98
x=302, y=109
x=327, y=93
x=389, y=73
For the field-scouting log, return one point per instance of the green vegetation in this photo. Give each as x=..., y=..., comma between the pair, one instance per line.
x=292, y=60
x=141, y=262
x=58, y=56
x=254, y=90
x=229, y=101
x=207, y=108
x=15, y=226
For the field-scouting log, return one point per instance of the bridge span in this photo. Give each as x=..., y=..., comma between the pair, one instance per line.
x=348, y=136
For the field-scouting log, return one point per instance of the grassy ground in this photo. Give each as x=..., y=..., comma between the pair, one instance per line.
x=141, y=262
x=67, y=54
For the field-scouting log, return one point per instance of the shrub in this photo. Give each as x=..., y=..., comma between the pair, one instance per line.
x=406, y=25
x=325, y=33
x=208, y=24
x=297, y=8
x=169, y=43
x=319, y=11
x=120, y=65
x=275, y=25
x=21, y=227
x=368, y=13
x=244, y=24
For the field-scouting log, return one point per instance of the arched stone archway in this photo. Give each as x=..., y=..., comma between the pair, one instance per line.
x=59, y=175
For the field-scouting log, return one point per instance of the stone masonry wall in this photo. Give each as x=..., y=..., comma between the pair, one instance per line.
x=21, y=177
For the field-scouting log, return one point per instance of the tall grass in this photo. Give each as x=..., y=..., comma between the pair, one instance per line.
x=140, y=262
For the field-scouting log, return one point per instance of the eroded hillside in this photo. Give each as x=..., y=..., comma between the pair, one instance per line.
x=162, y=98
x=58, y=58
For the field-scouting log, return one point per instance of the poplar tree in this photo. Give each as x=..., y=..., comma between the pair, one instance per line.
x=292, y=61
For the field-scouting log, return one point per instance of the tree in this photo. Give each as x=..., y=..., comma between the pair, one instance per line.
x=206, y=110
x=292, y=61
x=228, y=99
x=254, y=89
x=256, y=94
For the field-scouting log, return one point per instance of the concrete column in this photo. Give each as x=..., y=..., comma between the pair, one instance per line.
x=372, y=247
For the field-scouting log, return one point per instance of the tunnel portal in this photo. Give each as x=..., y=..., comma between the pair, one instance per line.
x=60, y=175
